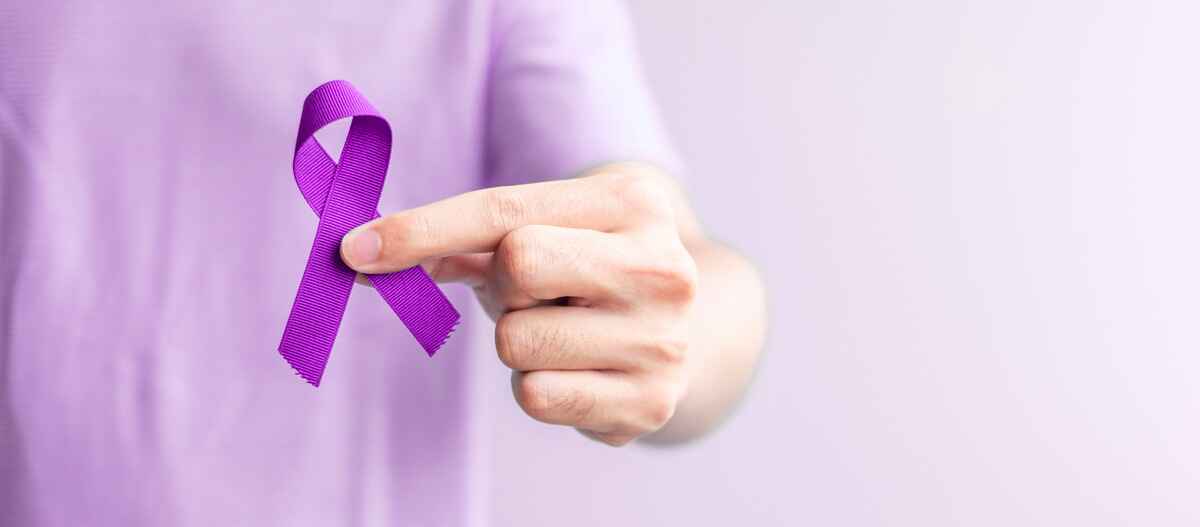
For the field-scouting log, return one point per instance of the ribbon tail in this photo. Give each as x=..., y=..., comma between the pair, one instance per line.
x=420, y=304
x=316, y=313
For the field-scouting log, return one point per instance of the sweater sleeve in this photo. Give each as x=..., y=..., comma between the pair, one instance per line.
x=566, y=93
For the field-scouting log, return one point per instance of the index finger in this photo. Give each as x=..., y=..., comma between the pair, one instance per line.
x=476, y=221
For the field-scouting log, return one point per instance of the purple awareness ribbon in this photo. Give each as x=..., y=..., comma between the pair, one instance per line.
x=345, y=195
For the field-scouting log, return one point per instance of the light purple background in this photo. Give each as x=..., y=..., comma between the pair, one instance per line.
x=978, y=225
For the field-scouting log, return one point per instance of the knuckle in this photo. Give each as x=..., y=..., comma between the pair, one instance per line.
x=668, y=351
x=673, y=278
x=531, y=396
x=505, y=209
x=681, y=281
x=508, y=340
x=574, y=405
x=522, y=345
x=566, y=406
x=659, y=408
x=518, y=256
x=642, y=193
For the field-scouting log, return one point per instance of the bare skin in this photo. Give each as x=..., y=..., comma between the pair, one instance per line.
x=616, y=313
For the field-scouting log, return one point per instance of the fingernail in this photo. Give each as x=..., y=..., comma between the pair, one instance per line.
x=361, y=246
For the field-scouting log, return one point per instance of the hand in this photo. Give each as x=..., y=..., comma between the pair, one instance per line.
x=587, y=279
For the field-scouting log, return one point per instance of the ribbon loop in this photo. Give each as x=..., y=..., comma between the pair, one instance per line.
x=345, y=195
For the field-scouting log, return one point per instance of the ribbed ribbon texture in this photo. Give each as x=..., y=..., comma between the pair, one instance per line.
x=345, y=195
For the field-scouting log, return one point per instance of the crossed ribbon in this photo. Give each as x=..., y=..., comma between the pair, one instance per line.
x=345, y=195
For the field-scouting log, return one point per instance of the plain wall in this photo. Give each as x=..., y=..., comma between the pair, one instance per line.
x=978, y=224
